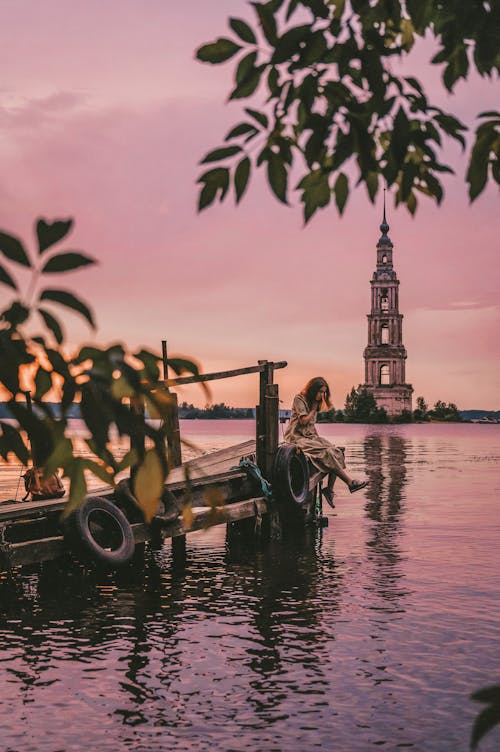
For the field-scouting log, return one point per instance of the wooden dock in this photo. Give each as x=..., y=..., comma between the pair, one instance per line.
x=210, y=490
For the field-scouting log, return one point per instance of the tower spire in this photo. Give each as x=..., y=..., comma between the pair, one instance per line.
x=384, y=227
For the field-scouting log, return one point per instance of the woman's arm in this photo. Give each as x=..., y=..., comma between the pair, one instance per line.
x=304, y=419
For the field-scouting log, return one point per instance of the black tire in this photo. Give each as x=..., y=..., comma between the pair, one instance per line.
x=100, y=533
x=291, y=475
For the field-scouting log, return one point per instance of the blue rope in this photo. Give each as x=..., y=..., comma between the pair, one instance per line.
x=250, y=468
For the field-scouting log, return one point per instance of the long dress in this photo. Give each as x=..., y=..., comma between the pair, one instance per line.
x=322, y=453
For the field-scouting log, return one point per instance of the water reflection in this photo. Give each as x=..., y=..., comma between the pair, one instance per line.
x=386, y=461
x=239, y=636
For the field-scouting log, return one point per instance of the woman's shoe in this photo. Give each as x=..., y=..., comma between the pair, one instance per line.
x=357, y=485
x=328, y=496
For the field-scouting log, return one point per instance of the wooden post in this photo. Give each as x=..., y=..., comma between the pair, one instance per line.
x=179, y=551
x=172, y=418
x=266, y=432
x=262, y=422
x=272, y=428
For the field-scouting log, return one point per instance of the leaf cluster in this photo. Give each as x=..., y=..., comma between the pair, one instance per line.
x=334, y=111
x=111, y=385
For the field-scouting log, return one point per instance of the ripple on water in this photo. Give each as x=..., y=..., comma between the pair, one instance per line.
x=371, y=632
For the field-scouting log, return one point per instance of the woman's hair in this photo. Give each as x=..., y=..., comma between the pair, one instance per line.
x=312, y=388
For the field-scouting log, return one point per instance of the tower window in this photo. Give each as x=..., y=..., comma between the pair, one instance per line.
x=384, y=334
x=384, y=301
x=384, y=259
x=384, y=374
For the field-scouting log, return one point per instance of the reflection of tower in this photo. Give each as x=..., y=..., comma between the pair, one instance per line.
x=385, y=354
x=386, y=463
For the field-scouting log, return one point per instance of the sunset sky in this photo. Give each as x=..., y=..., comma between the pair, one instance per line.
x=104, y=116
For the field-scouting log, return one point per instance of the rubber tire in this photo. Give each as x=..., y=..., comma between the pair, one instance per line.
x=80, y=534
x=291, y=475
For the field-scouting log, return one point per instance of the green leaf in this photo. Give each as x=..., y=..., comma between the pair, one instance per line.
x=148, y=484
x=485, y=721
x=150, y=363
x=240, y=130
x=258, y=116
x=273, y=79
x=52, y=324
x=477, y=173
x=411, y=203
x=246, y=67
x=49, y=234
x=243, y=30
x=16, y=314
x=223, y=153
x=207, y=196
x=341, y=191
x=43, y=383
x=13, y=249
x=315, y=48
x=214, y=181
x=288, y=44
x=339, y=8
x=218, y=51
x=277, y=176
x=487, y=694
x=371, y=181
x=400, y=135
x=316, y=192
x=70, y=301
x=6, y=279
x=11, y=441
x=249, y=85
x=78, y=485
x=267, y=21
x=65, y=262
x=458, y=66
x=241, y=176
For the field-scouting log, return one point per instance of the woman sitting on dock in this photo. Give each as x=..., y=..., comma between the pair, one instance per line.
x=324, y=455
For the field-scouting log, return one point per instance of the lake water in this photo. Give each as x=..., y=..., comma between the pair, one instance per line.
x=371, y=632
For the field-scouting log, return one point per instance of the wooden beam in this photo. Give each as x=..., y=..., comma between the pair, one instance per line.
x=221, y=374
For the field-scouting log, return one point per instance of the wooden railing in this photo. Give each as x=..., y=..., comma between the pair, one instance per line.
x=267, y=411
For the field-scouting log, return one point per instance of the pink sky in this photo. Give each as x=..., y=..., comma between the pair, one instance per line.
x=104, y=115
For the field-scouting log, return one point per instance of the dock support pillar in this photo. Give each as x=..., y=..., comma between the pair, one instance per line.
x=172, y=430
x=179, y=550
x=267, y=419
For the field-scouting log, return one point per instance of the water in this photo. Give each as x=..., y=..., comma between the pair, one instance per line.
x=372, y=632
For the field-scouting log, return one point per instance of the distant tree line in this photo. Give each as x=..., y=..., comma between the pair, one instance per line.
x=361, y=407
x=213, y=412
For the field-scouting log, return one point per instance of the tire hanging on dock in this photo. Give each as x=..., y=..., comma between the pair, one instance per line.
x=100, y=533
x=291, y=475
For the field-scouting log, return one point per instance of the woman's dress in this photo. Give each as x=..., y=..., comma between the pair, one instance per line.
x=322, y=453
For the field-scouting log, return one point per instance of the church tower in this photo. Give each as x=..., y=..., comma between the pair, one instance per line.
x=385, y=354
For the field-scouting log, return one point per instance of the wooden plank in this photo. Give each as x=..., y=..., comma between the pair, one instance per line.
x=205, y=517
x=209, y=469
x=45, y=549
x=221, y=374
x=32, y=552
x=212, y=463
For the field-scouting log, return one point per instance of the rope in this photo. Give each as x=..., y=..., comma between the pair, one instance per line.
x=251, y=469
x=19, y=483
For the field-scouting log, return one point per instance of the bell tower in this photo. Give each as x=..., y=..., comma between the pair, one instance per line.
x=385, y=355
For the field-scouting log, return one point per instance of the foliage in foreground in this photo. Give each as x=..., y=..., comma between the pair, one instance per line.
x=489, y=717
x=336, y=113
x=111, y=384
